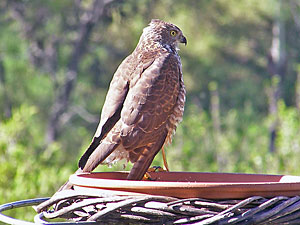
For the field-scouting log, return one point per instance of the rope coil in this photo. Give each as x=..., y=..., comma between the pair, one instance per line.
x=81, y=208
x=149, y=209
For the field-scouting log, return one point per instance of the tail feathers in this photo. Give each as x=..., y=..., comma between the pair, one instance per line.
x=84, y=158
x=104, y=130
x=140, y=167
x=99, y=155
x=96, y=156
x=144, y=161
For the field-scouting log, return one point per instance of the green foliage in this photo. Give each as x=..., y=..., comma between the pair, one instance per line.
x=241, y=146
x=27, y=168
x=288, y=141
x=225, y=63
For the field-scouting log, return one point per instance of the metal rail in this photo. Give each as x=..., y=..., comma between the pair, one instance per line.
x=18, y=204
x=158, y=210
x=38, y=219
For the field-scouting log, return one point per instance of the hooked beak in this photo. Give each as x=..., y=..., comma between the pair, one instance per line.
x=183, y=40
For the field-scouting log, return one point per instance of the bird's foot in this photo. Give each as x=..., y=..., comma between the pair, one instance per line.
x=147, y=175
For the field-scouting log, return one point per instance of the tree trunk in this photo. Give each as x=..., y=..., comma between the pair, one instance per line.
x=62, y=101
x=298, y=90
x=296, y=17
x=277, y=68
x=6, y=101
x=215, y=114
x=215, y=107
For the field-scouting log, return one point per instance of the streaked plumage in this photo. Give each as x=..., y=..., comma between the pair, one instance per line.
x=144, y=103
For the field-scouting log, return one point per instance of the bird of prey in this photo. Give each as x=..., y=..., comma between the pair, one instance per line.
x=144, y=103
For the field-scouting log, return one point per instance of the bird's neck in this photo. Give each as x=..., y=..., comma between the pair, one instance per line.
x=150, y=45
x=171, y=48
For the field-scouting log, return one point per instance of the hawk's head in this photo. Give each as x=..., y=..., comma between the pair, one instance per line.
x=166, y=34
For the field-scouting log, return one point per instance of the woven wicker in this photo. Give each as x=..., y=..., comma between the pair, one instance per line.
x=110, y=208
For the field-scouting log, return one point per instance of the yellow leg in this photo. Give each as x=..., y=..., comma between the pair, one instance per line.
x=165, y=159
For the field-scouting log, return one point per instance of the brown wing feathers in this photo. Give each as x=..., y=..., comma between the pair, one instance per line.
x=96, y=140
x=145, y=159
x=144, y=103
x=139, y=112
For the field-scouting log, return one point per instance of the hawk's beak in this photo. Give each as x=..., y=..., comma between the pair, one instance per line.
x=183, y=40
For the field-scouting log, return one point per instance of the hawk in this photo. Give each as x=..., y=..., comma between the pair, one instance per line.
x=144, y=103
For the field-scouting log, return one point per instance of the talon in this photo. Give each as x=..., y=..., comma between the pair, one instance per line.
x=152, y=169
x=147, y=176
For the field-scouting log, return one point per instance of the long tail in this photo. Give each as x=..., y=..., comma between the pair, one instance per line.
x=105, y=128
x=99, y=154
x=84, y=158
x=141, y=166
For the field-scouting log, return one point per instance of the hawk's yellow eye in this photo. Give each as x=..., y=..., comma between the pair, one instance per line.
x=173, y=33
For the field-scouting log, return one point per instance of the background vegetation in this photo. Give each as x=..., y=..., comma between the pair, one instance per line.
x=241, y=68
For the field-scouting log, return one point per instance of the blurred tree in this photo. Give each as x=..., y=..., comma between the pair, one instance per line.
x=295, y=11
x=44, y=48
x=277, y=63
x=57, y=58
x=298, y=90
x=6, y=101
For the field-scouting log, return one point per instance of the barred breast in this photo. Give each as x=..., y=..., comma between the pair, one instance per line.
x=177, y=114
